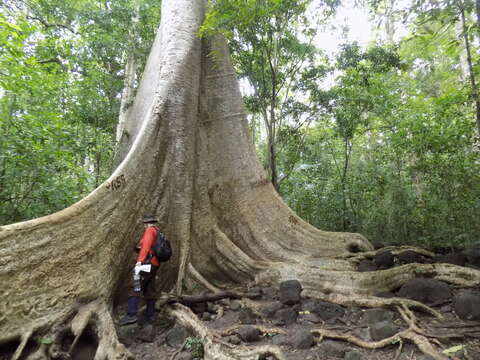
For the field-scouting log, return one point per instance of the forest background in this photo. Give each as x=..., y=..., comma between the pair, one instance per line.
x=380, y=139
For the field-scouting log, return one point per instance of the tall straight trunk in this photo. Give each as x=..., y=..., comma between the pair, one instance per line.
x=473, y=83
x=273, y=162
x=477, y=8
x=347, y=152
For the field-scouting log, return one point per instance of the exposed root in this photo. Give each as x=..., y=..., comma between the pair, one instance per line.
x=375, y=302
x=399, y=350
x=198, y=277
x=422, y=343
x=264, y=329
x=220, y=312
x=96, y=315
x=108, y=345
x=40, y=354
x=216, y=349
x=23, y=342
x=412, y=333
x=195, y=299
x=79, y=324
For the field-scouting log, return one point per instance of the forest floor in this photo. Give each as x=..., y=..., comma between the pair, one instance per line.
x=296, y=347
x=283, y=317
x=267, y=320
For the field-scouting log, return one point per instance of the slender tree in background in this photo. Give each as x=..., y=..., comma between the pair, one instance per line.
x=472, y=77
x=266, y=42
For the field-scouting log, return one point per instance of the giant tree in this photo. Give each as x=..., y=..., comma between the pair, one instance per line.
x=191, y=163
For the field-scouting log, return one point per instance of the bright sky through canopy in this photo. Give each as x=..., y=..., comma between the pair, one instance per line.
x=352, y=22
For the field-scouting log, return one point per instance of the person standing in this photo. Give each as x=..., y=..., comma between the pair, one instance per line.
x=147, y=279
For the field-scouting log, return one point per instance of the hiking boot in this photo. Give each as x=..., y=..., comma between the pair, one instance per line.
x=128, y=319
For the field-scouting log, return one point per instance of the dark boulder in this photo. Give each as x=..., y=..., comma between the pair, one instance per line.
x=302, y=339
x=427, y=291
x=372, y=316
x=176, y=336
x=353, y=355
x=270, y=309
x=377, y=245
x=235, y=305
x=363, y=333
x=290, y=292
x=310, y=317
x=249, y=333
x=280, y=340
x=234, y=339
x=323, y=309
x=382, y=330
x=410, y=256
x=366, y=265
x=285, y=317
x=454, y=259
x=247, y=316
x=473, y=256
x=199, y=308
x=147, y=333
x=383, y=259
x=467, y=306
x=128, y=334
x=329, y=349
x=270, y=293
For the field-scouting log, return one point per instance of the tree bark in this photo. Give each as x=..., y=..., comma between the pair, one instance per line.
x=191, y=162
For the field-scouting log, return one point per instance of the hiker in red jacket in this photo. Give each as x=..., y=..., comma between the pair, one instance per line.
x=144, y=281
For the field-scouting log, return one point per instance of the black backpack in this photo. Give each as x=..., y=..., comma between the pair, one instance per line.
x=161, y=248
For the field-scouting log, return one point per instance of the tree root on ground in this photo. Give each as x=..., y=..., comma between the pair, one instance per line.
x=412, y=333
x=94, y=316
x=199, y=278
x=195, y=299
x=214, y=347
x=264, y=329
x=376, y=302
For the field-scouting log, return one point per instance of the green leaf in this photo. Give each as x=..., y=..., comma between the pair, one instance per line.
x=45, y=340
x=453, y=349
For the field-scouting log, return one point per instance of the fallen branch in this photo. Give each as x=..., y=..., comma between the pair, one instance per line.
x=211, y=297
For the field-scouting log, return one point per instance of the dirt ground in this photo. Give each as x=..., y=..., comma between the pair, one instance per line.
x=348, y=323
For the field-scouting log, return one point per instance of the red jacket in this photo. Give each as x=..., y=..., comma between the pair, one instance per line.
x=145, y=245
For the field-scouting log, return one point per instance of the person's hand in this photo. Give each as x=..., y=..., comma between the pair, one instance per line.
x=137, y=268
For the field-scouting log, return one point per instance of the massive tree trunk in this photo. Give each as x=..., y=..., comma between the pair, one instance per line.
x=192, y=163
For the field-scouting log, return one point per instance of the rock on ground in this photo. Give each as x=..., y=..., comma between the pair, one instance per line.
x=290, y=292
x=427, y=291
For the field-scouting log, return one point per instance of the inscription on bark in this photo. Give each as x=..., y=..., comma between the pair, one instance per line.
x=293, y=220
x=118, y=183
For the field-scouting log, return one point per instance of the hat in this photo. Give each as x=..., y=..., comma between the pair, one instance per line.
x=149, y=219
